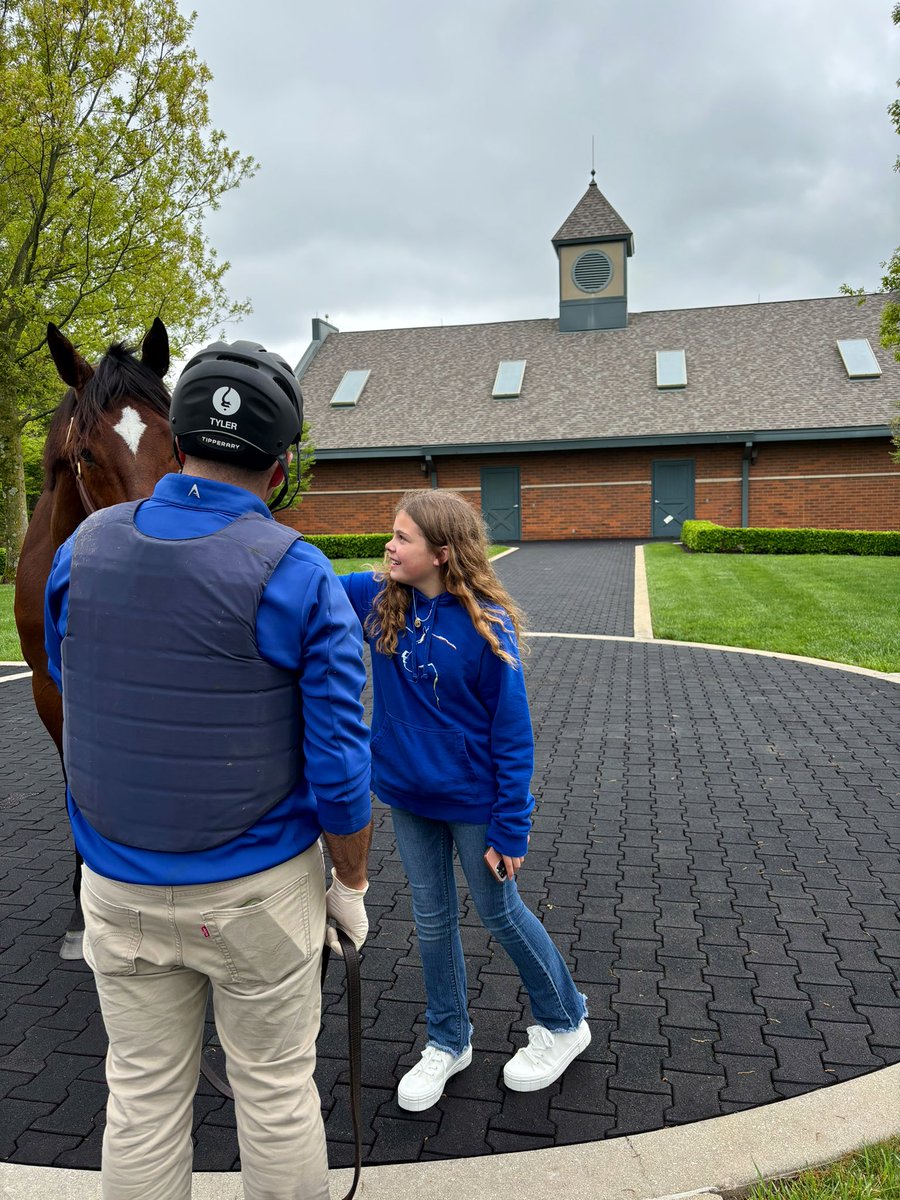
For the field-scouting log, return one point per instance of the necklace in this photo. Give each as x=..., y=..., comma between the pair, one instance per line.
x=416, y=620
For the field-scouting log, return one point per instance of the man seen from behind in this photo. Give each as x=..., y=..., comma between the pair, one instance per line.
x=211, y=668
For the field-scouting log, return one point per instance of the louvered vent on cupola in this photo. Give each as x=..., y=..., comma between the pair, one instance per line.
x=592, y=271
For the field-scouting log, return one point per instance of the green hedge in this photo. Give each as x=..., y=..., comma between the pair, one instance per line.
x=708, y=538
x=350, y=545
x=2, y=560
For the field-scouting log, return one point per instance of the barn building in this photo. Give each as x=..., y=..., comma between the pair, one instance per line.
x=604, y=423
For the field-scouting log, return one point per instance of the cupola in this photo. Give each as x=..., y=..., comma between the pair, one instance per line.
x=593, y=246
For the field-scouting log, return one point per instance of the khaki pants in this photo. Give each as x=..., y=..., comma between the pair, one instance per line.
x=154, y=952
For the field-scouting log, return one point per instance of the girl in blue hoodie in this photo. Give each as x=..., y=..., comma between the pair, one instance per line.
x=453, y=755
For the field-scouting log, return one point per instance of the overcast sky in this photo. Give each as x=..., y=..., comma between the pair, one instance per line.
x=416, y=158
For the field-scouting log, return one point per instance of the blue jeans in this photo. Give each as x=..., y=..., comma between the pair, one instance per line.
x=426, y=848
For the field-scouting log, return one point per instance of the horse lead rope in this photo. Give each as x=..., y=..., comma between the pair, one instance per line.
x=89, y=505
x=75, y=463
x=354, y=1037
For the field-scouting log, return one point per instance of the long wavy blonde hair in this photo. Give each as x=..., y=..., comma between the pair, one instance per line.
x=446, y=519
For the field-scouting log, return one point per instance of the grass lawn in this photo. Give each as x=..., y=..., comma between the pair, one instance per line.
x=839, y=607
x=870, y=1174
x=9, y=639
x=344, y=566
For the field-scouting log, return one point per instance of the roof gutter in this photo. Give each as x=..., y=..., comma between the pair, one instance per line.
x=620, y=443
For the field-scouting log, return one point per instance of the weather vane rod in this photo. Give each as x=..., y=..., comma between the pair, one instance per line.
x=593, y=172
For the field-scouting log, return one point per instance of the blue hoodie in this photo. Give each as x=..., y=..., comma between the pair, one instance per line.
x=451, y=730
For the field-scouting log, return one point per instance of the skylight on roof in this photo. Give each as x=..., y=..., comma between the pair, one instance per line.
x=671, y=369
x=859, y=358
x=508, y=383
x=349, y=390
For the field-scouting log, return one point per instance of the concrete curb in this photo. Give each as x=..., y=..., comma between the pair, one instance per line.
x=721, y=1154
x=641, y=616
x=18, y=675
x=705, y=1158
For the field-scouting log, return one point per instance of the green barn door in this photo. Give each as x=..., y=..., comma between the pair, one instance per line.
x=673, y=496
x=500, y=503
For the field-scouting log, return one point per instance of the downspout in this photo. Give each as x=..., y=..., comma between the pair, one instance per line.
x=748, y=457
x=428, y=468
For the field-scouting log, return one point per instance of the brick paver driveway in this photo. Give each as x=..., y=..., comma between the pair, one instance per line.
x=716, y=850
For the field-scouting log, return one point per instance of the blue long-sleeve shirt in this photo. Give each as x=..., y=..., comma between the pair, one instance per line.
x=304, y=625
x=451, y=728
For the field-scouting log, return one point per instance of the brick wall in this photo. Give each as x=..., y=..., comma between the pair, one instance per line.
x=607, y=493
x=858, y=488
x=356, y=497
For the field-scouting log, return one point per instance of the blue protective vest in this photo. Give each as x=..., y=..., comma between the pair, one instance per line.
x=178, y=735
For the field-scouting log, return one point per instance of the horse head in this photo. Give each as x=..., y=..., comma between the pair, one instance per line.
x=109, y=440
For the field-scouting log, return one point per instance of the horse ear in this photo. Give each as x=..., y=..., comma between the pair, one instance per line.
x=72, y=368
x=155, y=348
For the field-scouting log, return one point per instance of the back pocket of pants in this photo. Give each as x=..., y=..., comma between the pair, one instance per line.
x=112, y=934
x=263, y=941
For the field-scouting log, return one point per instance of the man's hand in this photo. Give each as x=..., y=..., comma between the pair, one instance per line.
x=344, y=899
x=345, y=907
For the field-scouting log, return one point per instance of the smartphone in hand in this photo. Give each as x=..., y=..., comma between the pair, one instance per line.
x=495, y=864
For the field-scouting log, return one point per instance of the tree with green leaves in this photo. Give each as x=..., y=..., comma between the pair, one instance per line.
x=108, y=163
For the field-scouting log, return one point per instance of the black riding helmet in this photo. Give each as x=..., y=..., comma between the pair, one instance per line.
x=238, y=403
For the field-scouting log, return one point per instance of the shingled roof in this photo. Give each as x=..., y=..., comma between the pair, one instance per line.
x=751, y=367
x=593, y=219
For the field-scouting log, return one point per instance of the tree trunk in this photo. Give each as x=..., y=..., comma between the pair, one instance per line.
x=13, y=511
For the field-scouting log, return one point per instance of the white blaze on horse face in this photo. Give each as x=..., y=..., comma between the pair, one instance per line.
x=130, y=428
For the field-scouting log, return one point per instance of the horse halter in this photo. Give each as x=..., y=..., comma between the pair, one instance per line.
x=75, y=463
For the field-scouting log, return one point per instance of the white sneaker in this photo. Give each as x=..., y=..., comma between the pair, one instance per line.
x=545, y=1057
x=424, y=1084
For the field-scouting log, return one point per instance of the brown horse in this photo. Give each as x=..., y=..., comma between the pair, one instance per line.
x=109, y=441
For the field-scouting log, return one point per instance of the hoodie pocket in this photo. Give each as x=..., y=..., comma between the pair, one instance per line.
x=408, y=760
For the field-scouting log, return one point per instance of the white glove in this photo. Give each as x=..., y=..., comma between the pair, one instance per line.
x=344, y=907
